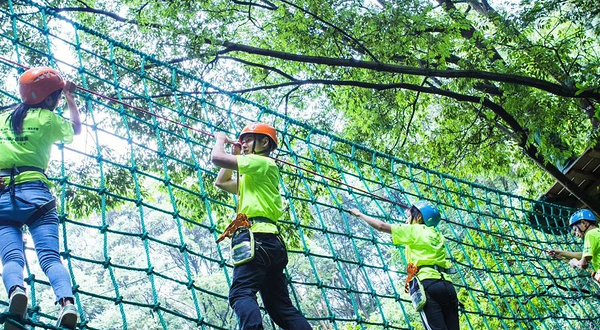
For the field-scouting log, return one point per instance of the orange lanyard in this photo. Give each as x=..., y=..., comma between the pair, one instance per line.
x=241, y=220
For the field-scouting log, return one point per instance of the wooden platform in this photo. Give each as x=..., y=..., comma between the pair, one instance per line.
x=585, y=172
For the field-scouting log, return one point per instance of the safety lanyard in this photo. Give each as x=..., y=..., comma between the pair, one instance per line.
x=241, y=220
x=411, y=271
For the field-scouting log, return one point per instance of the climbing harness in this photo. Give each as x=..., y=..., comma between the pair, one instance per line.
x=240, y=232
x=414, y=287
x=14, y=171
x=241, y=220
x=33, y=211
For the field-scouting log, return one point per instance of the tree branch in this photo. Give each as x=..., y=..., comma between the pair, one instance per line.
x=520, y=133
x=344, y=33
x=412, y=115
x=269, y=5
x=266, y=67
x=549, y=87
x=102, y=12
x=469, y=32
x=287, y=98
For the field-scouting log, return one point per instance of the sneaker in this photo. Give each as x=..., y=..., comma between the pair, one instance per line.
x=67, y=317
x=17, y=307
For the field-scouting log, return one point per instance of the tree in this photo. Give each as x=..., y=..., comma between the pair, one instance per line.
x=458, y=86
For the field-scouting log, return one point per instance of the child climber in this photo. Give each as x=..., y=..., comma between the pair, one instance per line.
x=431, y=291
x=259, y=255
x=583, y=224
x=26, y=137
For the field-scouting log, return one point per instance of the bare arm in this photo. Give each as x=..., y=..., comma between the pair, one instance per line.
x=566, y=255
x=375, y=223
x=73, y=112
x=219, y=157
x=226, y=162
x=225, y=181
x=576, y=259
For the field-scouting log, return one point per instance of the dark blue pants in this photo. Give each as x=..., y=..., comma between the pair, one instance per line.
x=264, y=274
x=441, y=310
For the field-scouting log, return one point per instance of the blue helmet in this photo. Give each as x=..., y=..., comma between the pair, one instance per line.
x=431, y=215
x=583, y=214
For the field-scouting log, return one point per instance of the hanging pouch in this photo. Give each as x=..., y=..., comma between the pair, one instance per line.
x=417, y=294
x=242, y=246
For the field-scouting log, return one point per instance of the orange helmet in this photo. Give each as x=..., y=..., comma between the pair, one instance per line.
x=36, y=84
x=260, y=128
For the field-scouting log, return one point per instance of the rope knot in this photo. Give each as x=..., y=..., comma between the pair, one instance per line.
x=183, y=247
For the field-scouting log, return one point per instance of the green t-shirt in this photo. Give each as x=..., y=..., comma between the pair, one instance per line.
x=424, y=246
x=41, y=128
x=591, y=247
x=259, y=191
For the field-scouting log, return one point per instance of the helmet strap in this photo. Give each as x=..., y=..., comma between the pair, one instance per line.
x=578, y=223
x=586, y=228
x=256, y=137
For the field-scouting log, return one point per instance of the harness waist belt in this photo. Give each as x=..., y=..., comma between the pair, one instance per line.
x=254, y=220
x=20, y=169
x=451, y=270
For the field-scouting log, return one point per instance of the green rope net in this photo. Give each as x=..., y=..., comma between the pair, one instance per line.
x=140, y=215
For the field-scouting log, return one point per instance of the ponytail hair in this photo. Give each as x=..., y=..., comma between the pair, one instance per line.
x=18, y=115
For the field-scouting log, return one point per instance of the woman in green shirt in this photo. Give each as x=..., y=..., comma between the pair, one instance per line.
x=26, y=138
x=425, y=250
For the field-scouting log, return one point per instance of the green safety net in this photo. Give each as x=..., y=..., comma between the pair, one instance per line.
x=140, y=215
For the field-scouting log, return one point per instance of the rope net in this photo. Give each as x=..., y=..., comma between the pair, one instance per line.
x=140, y=215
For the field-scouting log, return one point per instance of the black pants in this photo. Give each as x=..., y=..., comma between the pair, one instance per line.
x=264, y=274
x=441, y=310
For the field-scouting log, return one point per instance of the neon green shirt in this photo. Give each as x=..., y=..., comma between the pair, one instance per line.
x=591, y=247
x=259, y=191
x=424, y=246
x=41, y=128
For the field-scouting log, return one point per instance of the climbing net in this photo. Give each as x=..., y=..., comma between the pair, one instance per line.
x=139, y=213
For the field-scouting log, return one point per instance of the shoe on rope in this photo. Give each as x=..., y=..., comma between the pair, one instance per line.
x=17, y=307
x=67, y=317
